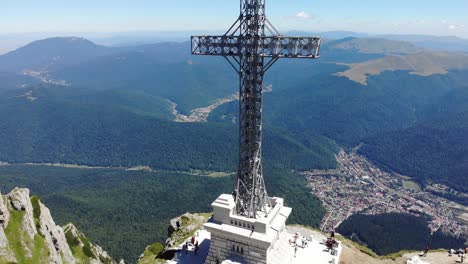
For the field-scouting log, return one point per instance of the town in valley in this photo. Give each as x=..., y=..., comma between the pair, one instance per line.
x=359, y=186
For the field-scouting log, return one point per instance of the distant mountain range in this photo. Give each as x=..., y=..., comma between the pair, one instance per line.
x=52, y=53
x=442, y=43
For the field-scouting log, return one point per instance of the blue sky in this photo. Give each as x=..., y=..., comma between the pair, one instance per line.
x=449, y=17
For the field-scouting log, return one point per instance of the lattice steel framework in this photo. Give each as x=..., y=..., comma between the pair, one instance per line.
x=245, y=46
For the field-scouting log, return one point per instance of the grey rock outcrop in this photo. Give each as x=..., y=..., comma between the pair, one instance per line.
x=32, y=227
x=20, y=201
x=4, y=213
x=5, y=250
x=100, y=253
x=187, y=223
x=54, y=237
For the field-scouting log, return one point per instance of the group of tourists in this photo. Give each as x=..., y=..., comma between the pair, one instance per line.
x=460, y=252
x=192, y=243
x=331, y=243
x=298, y=241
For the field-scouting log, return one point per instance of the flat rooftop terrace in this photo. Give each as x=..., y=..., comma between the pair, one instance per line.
x=316, y=249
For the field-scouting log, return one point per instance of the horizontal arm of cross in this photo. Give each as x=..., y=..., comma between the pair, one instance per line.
x=267, y=46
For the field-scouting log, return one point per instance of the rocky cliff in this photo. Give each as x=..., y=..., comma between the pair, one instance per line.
x=28, y=234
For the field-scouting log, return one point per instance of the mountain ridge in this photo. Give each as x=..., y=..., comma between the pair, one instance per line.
x=51, y=53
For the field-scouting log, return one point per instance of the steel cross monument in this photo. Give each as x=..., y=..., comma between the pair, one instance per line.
x=252, y=45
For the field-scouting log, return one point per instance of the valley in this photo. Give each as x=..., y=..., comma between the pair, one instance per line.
x=203, y=173
x=201, y=114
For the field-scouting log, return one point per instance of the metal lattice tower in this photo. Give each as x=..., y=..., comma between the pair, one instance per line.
x=251, y=52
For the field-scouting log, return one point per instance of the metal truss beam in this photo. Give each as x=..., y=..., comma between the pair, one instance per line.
x=272, y=46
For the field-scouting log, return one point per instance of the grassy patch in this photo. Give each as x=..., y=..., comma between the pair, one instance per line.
x=156, y=248
x=151, y=253
x=400, y=254
x=183, y=234
x=72, y=240
x=36, y=208
x=105, y=260
x=411, y=186
x=88, y=251
x=14, y=235
x=360, y=247
x=81, y=253
x=36, y=213
x=371, y=253
x=18, y=239
x=212, y=174
x=40, y=251
x=396, y=255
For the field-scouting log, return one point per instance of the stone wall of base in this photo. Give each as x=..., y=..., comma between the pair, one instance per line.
x=222, y=248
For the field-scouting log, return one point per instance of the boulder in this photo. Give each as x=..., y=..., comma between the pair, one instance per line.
x=188, y=223
x=20, y=201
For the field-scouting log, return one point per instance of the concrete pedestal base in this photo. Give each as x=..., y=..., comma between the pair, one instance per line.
x=244, y=240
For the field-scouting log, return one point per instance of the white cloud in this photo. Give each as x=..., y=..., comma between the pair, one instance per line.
x=443, y=21
x=454, y=26
x=303, y=15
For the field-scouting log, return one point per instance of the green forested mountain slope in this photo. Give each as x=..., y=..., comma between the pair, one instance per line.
x=190, y=82
x=52, y=129
x=350, y=113
x=433, y=151
x=393, y=232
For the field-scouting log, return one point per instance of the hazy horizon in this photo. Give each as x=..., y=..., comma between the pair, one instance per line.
x=12, y=41
x=28, y=20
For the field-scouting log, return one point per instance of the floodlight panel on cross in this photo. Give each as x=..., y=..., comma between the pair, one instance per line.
x=268, y=46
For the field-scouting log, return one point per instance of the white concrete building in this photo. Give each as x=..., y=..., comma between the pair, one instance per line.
x=231, y=239
x=247, y=239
